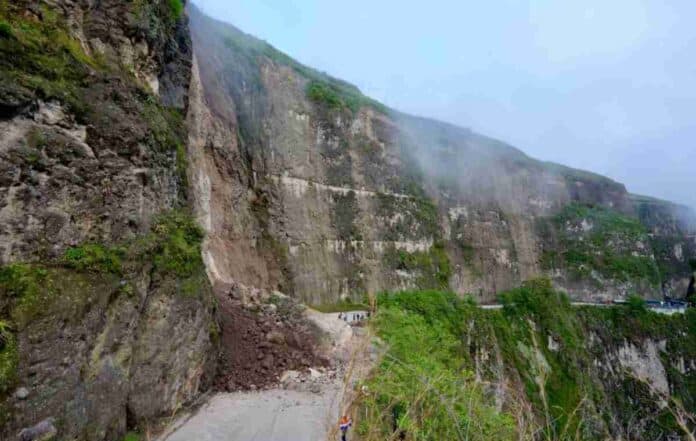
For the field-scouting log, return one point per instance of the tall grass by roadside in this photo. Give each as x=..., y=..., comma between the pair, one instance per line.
x=452, y=371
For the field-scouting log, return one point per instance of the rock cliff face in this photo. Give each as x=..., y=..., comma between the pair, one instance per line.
x=547, y=368
x=605, y=373
x=106, y=314
x=114, y=125
x=307, y=186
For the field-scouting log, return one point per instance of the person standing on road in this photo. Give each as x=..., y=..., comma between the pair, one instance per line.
x=344, y=425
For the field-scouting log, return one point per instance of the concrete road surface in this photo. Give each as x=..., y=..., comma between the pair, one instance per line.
x=308, y=409
x=276, y=415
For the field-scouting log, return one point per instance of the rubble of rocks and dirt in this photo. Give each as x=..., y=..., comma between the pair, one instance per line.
x=262, y=339
x=304, y=405
x=312, y=380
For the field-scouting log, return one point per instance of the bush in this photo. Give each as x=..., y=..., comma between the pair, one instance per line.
x=176, y=8
x=177, y=244
x=42, y=56
x=635, y=304
x=95, y=257
x=173, y=246
x=19, y=280
x=320, y=93
x=539, y=339
x=5, y=30
x=432, y=267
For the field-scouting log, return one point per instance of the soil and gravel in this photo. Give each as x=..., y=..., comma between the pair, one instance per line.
x=260, y=342
x=317, y=384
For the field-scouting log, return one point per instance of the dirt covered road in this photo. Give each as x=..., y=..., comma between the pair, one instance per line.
x=305, y=406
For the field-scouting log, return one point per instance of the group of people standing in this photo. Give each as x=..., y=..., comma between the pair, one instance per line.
x=353, y=316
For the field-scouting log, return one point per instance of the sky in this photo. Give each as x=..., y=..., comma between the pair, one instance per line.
x=606, y=86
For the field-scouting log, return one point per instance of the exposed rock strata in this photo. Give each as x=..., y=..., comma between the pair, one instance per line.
x=327, y=200
x=92, y=153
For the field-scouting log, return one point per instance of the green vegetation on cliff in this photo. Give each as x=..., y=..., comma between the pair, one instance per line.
x=41, y=59
x=555, y=367
x=173, y=246
x=413, y=220
x=176, y=7
x=152, y=15
x=408, y=218
x=431, y=268
x=40, y=56
x=419, y=388
x=602, y=240
x=9, y=358
x=344, y=215
x=132, y=436
x=321, y=88
x=321, y=93
x=335, y=95
x=64, y=288
x=95, y=257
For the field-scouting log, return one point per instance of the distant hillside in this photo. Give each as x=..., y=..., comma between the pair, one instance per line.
x=355, y=197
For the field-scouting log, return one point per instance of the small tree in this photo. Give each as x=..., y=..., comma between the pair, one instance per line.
x=635, y=303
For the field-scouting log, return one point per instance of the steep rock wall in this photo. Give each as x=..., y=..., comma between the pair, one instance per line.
x=328, y=195
x=106, y=315
x=602, y=373
x=672, y=231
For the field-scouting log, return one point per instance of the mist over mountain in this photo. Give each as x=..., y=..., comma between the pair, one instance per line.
x=562, y=83
x=202, y=237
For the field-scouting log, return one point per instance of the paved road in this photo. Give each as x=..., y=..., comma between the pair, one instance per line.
x=660, y=310
x=602, y=305
x=307, y=411
x=276, y=415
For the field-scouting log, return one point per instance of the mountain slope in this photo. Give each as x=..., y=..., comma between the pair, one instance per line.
x=352, y=197
x=112, y=129
x=106, y=313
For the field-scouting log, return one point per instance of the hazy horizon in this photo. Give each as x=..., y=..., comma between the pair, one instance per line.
x=603, y=87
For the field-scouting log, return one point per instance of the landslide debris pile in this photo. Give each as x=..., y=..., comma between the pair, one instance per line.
x=260, y=341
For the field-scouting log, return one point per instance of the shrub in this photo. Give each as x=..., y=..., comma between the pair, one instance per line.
x=95, y=257
x=177, y=244
x=181, y=163
x=45, y=58
x=635, y=304
x=433, y=340
x=176, y=7
x=432, y=267
x=5, y=30
x=19, y=280
x=322, y=94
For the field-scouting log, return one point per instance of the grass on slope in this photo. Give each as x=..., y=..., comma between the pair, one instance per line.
x=419, y=389
x=536, y=350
